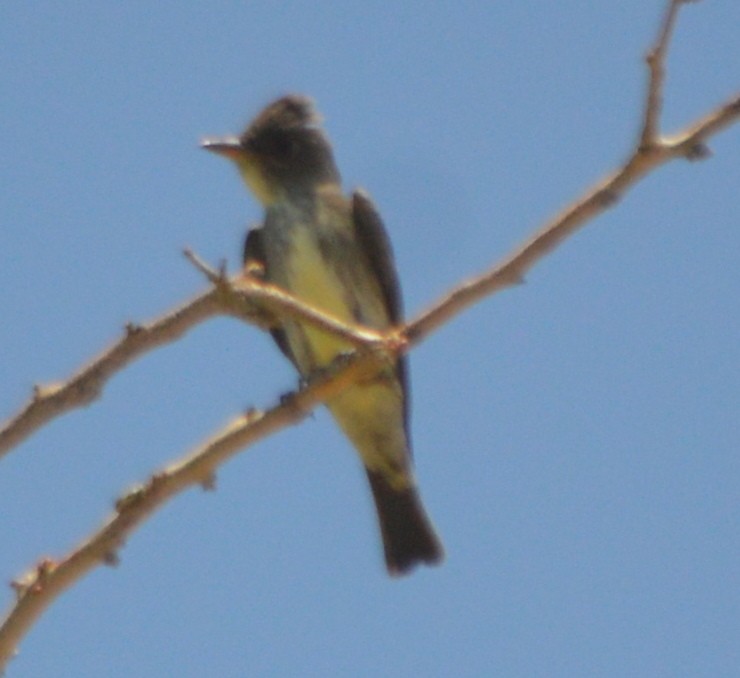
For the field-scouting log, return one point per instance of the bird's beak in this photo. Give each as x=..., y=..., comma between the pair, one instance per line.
x=229, y=147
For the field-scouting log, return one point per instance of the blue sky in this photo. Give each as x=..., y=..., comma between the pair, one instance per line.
x=576, y=438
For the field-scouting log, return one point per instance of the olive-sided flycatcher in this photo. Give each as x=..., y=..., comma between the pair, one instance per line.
x=332, y=252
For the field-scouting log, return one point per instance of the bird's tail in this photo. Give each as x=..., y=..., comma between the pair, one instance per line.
x=408, y=535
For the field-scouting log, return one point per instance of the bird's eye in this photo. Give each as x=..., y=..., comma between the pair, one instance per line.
x=279, y=147
x=284, y=146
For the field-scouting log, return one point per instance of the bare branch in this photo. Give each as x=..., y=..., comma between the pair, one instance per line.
x=86, y=385
x=37, y=589
x=238, y=297
x=247, y=295
x=606, y=193
x=242, y=297
x=655, y=60
x=691, y=142
x=240, y=294
x=283, y=304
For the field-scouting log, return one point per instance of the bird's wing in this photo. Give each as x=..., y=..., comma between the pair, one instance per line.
x=372, y=236
x=374, y=241
x=256, y=264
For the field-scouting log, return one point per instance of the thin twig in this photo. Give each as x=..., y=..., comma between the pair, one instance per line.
x=655, y=60
x=215, y=277
x=250, y=290
x=283, y=304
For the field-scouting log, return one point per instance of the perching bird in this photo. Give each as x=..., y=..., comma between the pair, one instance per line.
x=333, y=253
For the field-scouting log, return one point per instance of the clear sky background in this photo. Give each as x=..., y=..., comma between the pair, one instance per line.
x=576, y=438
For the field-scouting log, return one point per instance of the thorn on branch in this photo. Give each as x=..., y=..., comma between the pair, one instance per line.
x=111, y=559
x=252, y=414
x=18, y=587
x=88, y=391
x=214, y=276
x=514, y=278
x=287, y=398
x=132, y=328
x=698, y=151
x=291, y=401
x=209, y=482
x=608, y=197
x=129, y=499
x=156, y=481
x=33, y=580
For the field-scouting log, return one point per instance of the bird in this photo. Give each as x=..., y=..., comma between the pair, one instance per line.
x=332, y=251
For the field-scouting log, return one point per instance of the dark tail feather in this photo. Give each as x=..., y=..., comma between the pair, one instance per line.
x=408, y=535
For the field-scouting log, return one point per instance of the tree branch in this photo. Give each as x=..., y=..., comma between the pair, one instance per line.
x=655, y=60
x=37, y=589
x=245, y=297
x=85, y=386
x=689, y=144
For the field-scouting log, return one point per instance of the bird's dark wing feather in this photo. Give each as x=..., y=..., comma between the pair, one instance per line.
x=371, y=235
x=374, y=240
x=254, y=259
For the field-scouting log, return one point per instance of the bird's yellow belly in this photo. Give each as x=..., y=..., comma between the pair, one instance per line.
x=317, y=283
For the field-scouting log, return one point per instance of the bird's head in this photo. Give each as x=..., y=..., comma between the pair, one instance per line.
x=282, y=151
